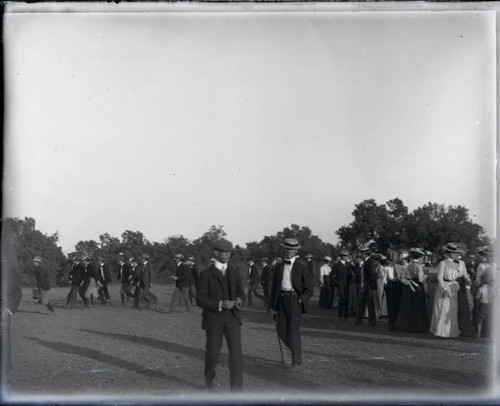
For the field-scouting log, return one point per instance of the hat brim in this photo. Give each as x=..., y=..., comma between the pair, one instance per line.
x=297, y=247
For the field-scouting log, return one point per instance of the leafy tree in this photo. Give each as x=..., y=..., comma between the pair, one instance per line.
x=21, y=241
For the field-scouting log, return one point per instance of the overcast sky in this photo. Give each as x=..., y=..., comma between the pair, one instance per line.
x=167, y=123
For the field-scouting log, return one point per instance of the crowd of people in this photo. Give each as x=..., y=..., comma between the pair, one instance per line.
x=414, y=292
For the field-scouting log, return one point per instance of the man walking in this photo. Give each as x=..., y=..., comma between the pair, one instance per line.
x=145, y=282
x=219, y=294
x=103, y=279
x=266, y=279
x=41, y=293
x=341, y=277
x=183, y=281
x=291, y=290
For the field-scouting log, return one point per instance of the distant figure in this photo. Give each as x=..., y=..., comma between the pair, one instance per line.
x=125, y=278
x=310, y=266
x=103, y=279
x=266, y=279
x=41, y=292
x=368, y=288
x=219, y=294
x=485, y=298
x=253, y=281
x=90, y=282
x=11, y=298
x=193, y=278
x=326, y=289
x=342, y=272
x=76, y=276
x=183, y=281
x=145, y=282
x=290, y=293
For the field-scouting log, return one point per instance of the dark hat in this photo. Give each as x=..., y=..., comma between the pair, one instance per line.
x=327, y=258
x=223, y=245
x=364, y=248
x=264, y=259
x=417, y=251
x=37, y=258
x=291, y=243
x=250, y=259
x=344, y=253
x=452, y=247
x=309, y=255
x=178, y=256
x=100, y=259
x=145, y=256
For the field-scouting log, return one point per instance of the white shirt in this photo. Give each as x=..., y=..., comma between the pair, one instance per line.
x=324, y=271
x=221, y=267
x=286, y=282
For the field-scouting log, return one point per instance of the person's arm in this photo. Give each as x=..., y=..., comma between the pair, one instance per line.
x=203, y=298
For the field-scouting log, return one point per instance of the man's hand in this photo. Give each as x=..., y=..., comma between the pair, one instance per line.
x=275, y=316
x=227, y=304
x=238, y=303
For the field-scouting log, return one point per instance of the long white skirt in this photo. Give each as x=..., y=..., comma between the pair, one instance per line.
x=444, y=322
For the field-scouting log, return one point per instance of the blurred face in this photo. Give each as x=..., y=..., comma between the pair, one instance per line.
x=36, y=264
x=222, y=256
x=290, y=252
x=453, y=255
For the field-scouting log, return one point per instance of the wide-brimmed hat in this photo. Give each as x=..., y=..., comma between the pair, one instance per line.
x=344, y=253
x=223, y=245
x=212, y=260
x=417, y=251
x=145, y=256
x=264, y=259
x=452, y=247
x=37, y=258
x=376, y=256
x=178, y=256
x=291, y=243
x=309, y=255
x=327, y=258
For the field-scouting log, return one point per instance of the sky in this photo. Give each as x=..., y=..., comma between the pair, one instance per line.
x=170, y=122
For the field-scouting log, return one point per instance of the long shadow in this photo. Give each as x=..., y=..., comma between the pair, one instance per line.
x=33, y=312
x=255, y=366
x=465, y=380
x=109, y=359
x=422, y=343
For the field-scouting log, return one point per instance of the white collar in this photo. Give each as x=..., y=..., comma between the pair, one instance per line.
x=220, y=266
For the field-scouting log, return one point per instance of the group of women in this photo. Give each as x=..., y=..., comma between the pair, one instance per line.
x=448, y=300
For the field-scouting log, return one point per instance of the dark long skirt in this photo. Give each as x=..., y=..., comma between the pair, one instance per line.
x=412, y=316
x=393, y=295
x=325, y=294
x=464, y=313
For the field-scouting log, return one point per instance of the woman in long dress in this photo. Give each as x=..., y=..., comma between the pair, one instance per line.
x=444, y=322
x=412, y=315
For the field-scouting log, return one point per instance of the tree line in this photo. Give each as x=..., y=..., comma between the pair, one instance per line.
x=388, y=226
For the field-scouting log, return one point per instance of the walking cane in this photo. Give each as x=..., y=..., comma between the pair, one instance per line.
x=275, y=318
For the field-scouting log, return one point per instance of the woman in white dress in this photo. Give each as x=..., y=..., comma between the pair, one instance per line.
x=444, y=322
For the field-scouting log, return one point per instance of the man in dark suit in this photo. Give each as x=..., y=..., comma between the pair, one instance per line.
x=341, y=272
x=103, y=279
x=42, y=283
x=266, y=279
x=125, y=277
x=368, y=288
x=253, y=281
x=291, y=290
x=310, y=266
x=219, y=294
x=183, y=280
x=145, y=282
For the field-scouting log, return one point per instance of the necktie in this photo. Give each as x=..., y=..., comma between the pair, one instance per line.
x=288, y=262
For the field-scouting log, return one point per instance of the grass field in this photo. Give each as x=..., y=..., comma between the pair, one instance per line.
x=124, y=355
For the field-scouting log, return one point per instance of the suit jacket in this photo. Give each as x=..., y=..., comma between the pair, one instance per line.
x=370, y=273
x=42, y=278
x=107, y=275
x=184, y=276
x=253, y=275
x=124, y=272
x=341, y=274
x=210, y=291
x=145, y=274
x=78, y=274
x=301, y=283
x=266, y=278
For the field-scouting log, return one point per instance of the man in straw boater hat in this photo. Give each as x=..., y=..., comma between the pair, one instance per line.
x=291, y=290
x=369, y=274
x=41, y=293
x=219, y=292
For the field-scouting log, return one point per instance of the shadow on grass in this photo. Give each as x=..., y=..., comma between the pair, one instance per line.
x=445, y=376
x=258, y=367
x=99, y=356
